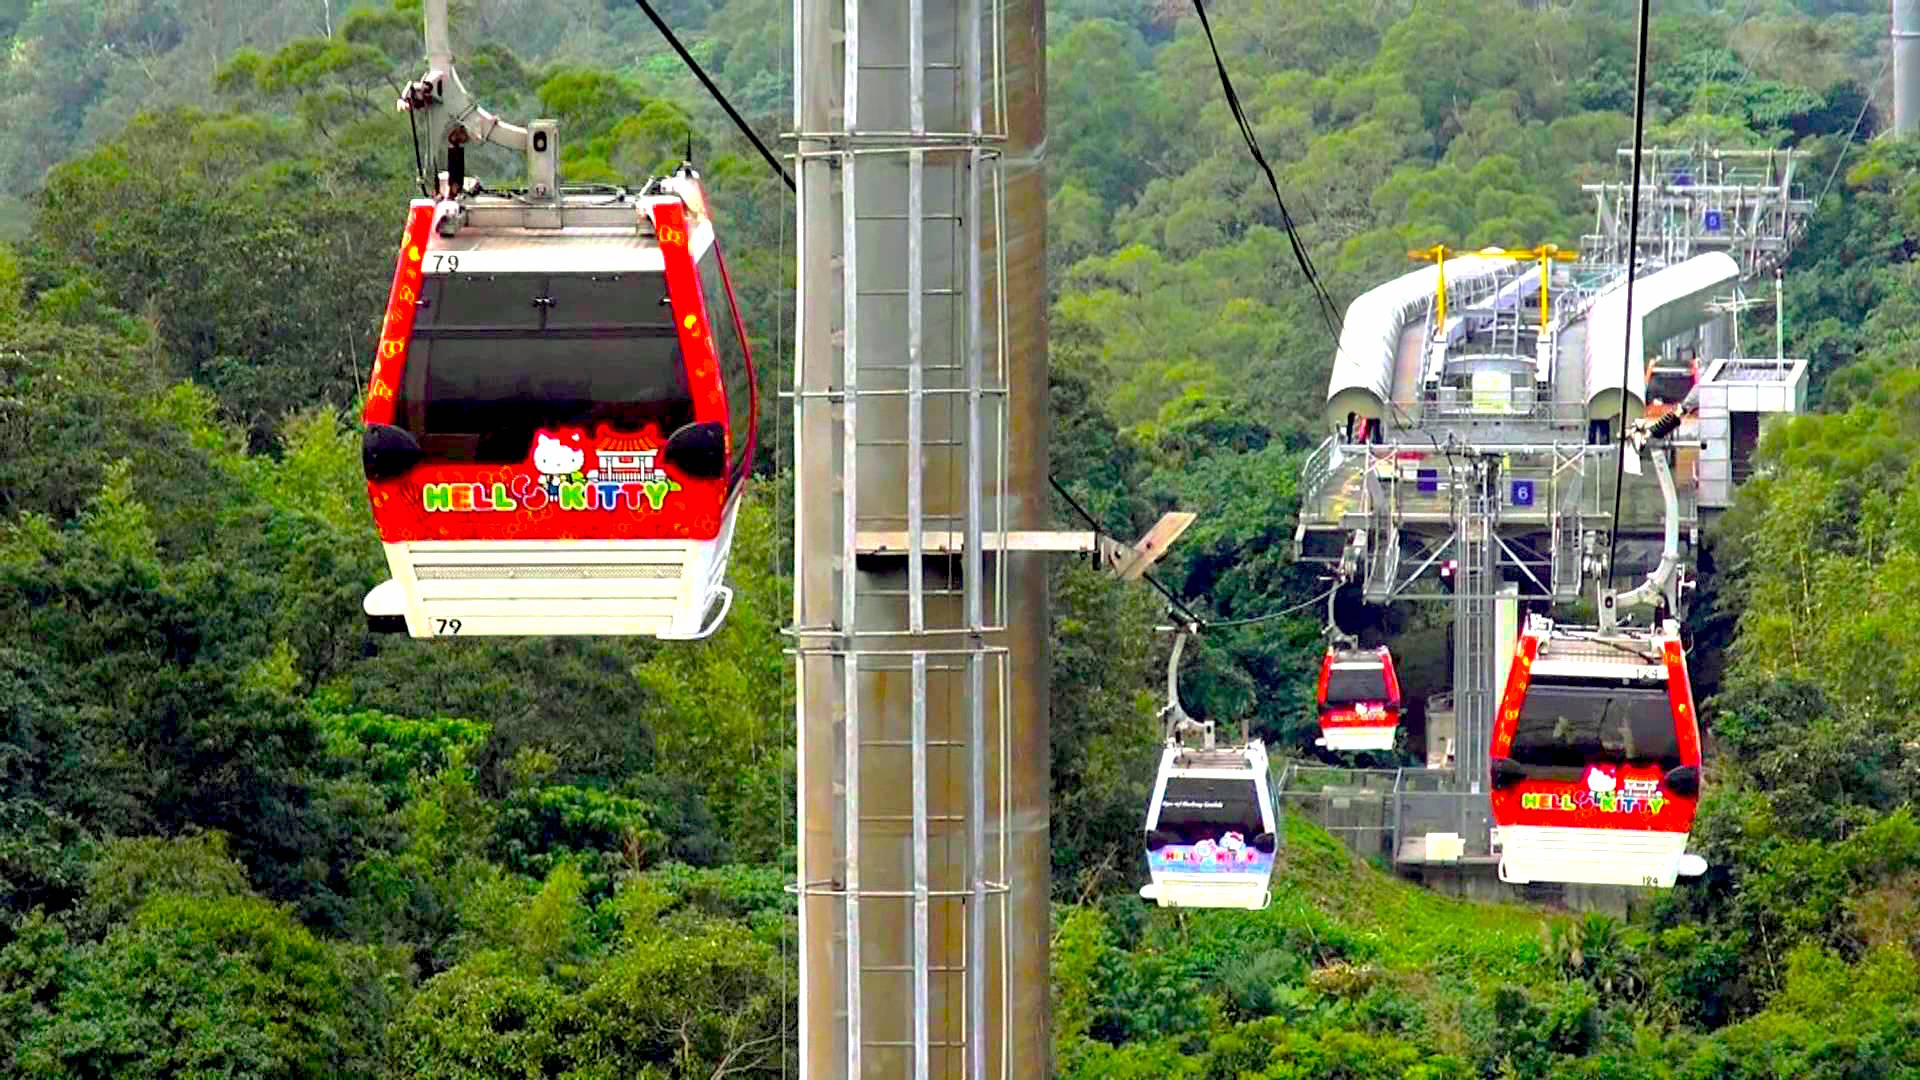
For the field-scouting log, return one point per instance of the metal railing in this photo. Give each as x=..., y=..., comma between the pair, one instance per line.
x=1526, y=409
x=1421, y=478
x=1375, y=812
x=1355, y=805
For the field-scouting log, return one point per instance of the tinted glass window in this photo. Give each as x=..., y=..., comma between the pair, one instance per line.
x=600, y=349
x=733, y=353
x=588, y=301
x=1203, y=809
x=480, y=301
x=485, y=397
x=1565, y=727
x=1349, y=686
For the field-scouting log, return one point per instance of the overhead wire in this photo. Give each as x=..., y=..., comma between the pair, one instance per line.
x=1323, y=300
x=1627, y=357
x=1328, y=307
x=1175, y=604
x=1329, y=311
x=733, y=114
x=419, y=163
x=1094, y=523
x=1271, y=615
x=1865, y=102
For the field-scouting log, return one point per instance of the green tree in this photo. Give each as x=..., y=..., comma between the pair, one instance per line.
x=229, y=984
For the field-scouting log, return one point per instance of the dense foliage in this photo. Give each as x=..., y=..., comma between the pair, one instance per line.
x=239, y=835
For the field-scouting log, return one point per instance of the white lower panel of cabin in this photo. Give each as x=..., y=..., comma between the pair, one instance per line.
x=1248, y=891
x=1592, y=856
x=461, y=588
x=1356, y=738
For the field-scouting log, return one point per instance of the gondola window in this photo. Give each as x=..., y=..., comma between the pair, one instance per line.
x=1562, y=729
x=495, y=358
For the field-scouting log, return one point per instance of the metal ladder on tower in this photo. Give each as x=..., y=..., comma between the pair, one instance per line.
x=1568, y=570
x=900, y=407
x=1383, y=531
x=1477, y=514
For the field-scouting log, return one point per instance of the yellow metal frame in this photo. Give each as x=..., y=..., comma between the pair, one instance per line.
x=1437, y=255
x=1545, y=254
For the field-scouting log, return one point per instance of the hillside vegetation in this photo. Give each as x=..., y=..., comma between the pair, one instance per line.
x=241, y=836
x=1351, y=973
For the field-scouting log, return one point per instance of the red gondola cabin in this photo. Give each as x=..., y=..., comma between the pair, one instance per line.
x=1596, y=758
x=561, y=418
x=1359, y=699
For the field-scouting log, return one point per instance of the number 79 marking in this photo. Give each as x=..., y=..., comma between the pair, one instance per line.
x=446, y=626
x=446, y=263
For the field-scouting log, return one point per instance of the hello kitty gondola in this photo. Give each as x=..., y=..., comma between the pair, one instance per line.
x=1211, y=830
x=559, y=432
x=561, y=416
x=1595, y=758
x=1359, y=696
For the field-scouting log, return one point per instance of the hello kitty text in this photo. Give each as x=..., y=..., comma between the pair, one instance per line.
x=626, y=476
x=1605, y=792
x=1608, y=803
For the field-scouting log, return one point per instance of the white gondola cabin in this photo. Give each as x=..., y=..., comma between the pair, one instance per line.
x=561, y=418
x=1211, y=833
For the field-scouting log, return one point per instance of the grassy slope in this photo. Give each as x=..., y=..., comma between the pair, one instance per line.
x=1352, y=972
x=1344, y=952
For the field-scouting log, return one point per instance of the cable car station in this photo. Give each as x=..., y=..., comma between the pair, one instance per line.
x=1489, y=451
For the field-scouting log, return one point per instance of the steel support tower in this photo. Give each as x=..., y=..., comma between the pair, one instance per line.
x=1699, y=199
x=921, y=690
x=1400, y=535
x=1475, y=671
x=1906, y=67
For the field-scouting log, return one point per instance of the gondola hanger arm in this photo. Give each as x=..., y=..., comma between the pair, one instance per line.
x=1659, y=579
x=452, y=118
x=1177, y=722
